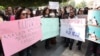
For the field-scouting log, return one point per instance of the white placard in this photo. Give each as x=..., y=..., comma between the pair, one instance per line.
x=73, y=28
x=54, y=5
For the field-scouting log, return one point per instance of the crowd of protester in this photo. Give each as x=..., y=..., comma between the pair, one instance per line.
x=62, y=13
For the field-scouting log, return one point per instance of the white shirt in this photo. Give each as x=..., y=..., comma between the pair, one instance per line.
x=52, y=14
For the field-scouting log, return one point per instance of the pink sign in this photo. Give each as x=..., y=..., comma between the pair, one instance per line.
x=20, y=34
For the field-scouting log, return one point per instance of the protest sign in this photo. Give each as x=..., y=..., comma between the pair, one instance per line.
x=93, y=28
x=54, y=5
x=73, y=28
x=20, y=34
x=50, y=27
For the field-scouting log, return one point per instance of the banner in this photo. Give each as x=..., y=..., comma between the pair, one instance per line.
x=20, y=34
x=93, y=29
x=54, y=5
x=50, y=27
x=73, y=28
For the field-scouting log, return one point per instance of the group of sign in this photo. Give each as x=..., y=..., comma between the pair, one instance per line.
x=20, y=34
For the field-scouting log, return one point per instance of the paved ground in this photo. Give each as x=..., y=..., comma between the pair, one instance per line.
x=58, y=50
x=75, y=52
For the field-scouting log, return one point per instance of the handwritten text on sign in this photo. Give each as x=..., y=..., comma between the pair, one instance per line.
x=73, y=21
x=53, y=5
x=73, y=28
x=73, y=33
x=24, y=33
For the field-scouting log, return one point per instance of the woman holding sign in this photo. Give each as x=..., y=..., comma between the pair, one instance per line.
x=47, y=13
x=70, y=42
x=63, y=13
x=22, y=14
x=53, y=14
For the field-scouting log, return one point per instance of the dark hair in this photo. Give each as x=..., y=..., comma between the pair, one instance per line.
x=65, y=10
x=44, y=11
x=54, y=11
x=38, y=12
x=18, y=13
x=3, y=16
x=16, y=8
x=79, y=11
x=11, y=8
x=85, y=10
x=31, y=10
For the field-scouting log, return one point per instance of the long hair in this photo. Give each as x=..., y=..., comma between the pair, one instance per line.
x=18, y=13
x=44, y=11
x=32, y=15
x=79, y=11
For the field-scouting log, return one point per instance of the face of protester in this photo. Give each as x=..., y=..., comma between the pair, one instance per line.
x=71, y=14
x=9, y=10
x=80, y=12
x=68, y=9
x=62, y=11
x=23, y=14
x=52, y=13
x=28, y=13
x=47, y=11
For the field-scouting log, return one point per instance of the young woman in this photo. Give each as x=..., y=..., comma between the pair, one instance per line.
x=22, y=14
x=29, y=12
x=53, y=14
x=46, y=12
x=63, y=13
x=70, y=42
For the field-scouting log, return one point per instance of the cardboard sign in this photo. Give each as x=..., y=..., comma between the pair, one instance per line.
x=20, y=34
x=50, y=27
x=73, y=28
x=93, y=29
x=54, y=5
